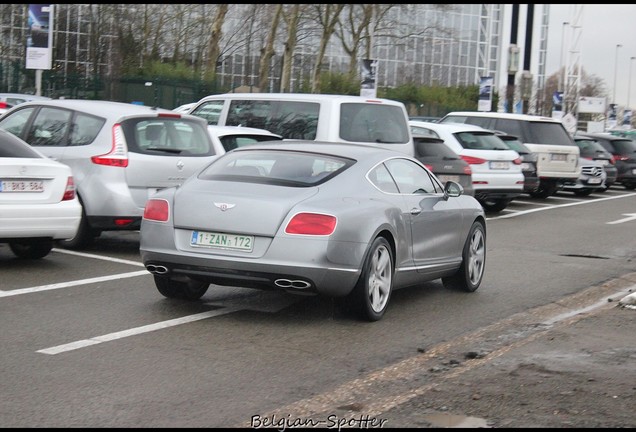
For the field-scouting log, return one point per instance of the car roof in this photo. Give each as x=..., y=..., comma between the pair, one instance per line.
x=353, y=151
x=23, y=96
x=229, y=130
x=603, y=135
x=301, y=96
x=451, y=127
x=512, y=116
x=100, y=108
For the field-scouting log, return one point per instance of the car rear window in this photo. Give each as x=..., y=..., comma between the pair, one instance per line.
x=480, y=141
x=548, y=133
x=624, y=146
x=276, y=167
x=371, y=123
x=167, y=136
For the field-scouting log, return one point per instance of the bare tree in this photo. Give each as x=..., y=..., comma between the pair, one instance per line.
x=267, y=51
x=215, y=37
x=291, y=18
x=328, y=16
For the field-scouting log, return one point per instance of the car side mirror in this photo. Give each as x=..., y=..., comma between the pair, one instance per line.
x=453, y=189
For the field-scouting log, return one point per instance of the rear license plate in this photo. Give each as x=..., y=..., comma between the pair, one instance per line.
x=444, y=178
x=594, y=181
x=634, y=171
x=558, y=157
x=498, y=165
x=21, y=186
x=222, y=240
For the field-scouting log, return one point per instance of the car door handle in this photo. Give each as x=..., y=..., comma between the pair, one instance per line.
x=416, y=210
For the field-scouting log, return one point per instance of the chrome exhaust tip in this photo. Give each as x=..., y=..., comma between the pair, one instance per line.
x=293, y=284
x=157, y=269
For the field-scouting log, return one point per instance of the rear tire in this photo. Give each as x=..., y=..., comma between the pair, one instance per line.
x=370, y=297
x=84, y=237
x=544, y=190
x=495, y=205
x=583, y=192
x=471, y=272
x=31, y=249
x=181, y=289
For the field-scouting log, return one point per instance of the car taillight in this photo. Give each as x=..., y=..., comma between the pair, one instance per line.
x=517, y=161
x=467, y=170
x=157, y=210
x=473, y=160
x=621, y=157
x=311, y=224
x=169, y=115
x=69, y=192
x=430, y=167
x=118, y=154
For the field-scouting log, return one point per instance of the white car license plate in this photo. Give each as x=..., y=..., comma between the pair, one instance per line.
x=498, y=165
x=222, y=240
x=21, y=186
x=558, y=157
x=444, y=178
x=634, y=171
x=594, y=181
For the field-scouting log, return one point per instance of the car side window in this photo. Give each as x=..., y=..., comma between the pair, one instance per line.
x=210, y=111
x=17, y=121
x=410, y=177
x=49, y=127
x=381, y=178
x=84, y=129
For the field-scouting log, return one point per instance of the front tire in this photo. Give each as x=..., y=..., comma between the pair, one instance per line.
x=370, y=297
x=31, y=249
x=181, y=289
x=471, y=272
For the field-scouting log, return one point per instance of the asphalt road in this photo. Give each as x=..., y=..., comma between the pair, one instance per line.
x=87, y=341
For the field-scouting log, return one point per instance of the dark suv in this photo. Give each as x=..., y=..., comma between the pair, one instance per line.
x=624, y=152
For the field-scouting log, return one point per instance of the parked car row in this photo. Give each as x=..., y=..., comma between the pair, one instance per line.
x=229, y=203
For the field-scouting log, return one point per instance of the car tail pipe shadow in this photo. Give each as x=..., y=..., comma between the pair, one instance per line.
x=157, y=269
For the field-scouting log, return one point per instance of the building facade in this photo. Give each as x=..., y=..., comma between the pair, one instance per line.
x=431, y=45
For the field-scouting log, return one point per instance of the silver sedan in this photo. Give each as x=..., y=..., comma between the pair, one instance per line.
x=349, y=221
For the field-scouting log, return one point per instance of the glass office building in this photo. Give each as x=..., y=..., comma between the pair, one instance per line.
x=429, y=44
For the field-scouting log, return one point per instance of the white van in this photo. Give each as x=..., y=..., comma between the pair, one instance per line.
x=319, y=117
x=557, y=154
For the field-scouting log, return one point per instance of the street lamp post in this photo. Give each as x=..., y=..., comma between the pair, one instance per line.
x=615, y=72
x=561, y=71
x=629, y=81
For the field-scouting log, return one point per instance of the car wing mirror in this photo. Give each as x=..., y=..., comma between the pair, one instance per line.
x=453, y=189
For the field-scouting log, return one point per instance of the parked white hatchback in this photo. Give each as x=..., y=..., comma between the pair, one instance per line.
x=38, y=204
x=496, y=169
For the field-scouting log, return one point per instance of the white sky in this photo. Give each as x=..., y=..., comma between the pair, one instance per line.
x=602, y=27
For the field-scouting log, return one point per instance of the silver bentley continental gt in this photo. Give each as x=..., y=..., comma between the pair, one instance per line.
x=349, y=221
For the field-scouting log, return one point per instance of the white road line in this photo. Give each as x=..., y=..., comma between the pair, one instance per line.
x=135, y=331
x=515, y=201
x=101, y=257
x=559, y=206
x=73, y=283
